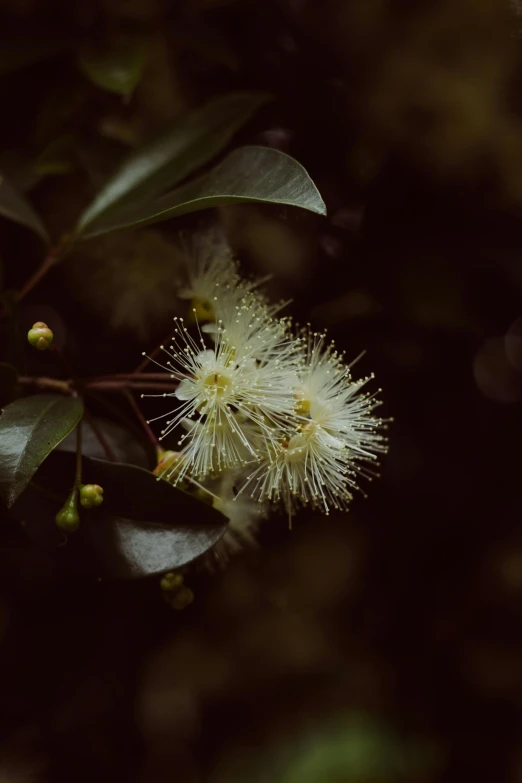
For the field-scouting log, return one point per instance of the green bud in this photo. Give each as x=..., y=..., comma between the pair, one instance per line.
x=68, y=519
x=168, y=463
x=171, y=582
x=91, y=495
x=40, y=336
x=182, y=598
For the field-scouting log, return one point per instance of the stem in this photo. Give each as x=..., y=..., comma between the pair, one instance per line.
x=143, y=376
x=64, y=361
x=49, y=261
x=149, y=433
x=66, y=387
x=121, y=385
x=47, y=383
x=141, y=366
x=78, y=475
x=101, y=437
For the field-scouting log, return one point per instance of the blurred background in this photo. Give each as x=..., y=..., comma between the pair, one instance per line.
x=376, y=647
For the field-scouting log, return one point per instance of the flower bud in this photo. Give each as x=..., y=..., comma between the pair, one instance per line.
x=40, y=336
x=171, y=582
x=91, y=495
x=168, y=464
x=68, y=519
x=182, y=598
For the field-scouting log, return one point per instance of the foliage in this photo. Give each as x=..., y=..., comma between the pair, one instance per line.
x=145, y=525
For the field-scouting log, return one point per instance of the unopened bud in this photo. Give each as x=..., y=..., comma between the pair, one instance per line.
x=171, y=582
x=68, y=519
x=182, y=598
x=91, y=495
x=169, y=464
x=40, y=336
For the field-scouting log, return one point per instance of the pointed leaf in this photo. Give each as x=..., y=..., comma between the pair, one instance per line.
x=116, y=67
x=145, y=526
x=249, y=174
x=14, y=207
x=30, y=429
x=194, y=141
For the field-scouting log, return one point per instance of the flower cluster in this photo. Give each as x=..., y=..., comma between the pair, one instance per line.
x=267, y=415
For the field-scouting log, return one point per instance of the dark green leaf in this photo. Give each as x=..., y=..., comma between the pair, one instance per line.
x=30, y=429
x=116, y=67
x=194, y=141
x=249, y=174
x=8, y=379
x=15, y=207
x=145, y=526
x=57, y=158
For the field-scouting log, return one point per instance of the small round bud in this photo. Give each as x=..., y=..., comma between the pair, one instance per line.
x=91, y=495
x=171, y=582
x=182, y=598
x=40, y=336
x=168, y=464
x=68, y=519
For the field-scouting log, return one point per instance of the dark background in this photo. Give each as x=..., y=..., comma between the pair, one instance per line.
x=373, y=647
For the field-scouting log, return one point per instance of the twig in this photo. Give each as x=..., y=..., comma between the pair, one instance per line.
x=49, y=261
x=121, y=385
x=149, y=433
x=141, y=366
x=65, y=387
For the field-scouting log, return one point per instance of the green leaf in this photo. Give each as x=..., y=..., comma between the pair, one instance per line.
x=14, y=207
x=30, y=429
x=248, y=174
x=118, y=66
x=8, y=380
x=145, y=526
x=194, y=141
x=58, y=157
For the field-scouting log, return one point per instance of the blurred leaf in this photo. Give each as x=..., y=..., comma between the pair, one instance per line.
x=248, y=174
x=8, y=380
x=144, y=527
x=18, y=169
x=361, y=750
x=30, y=429
x=118, y=66
x=15, y=207
x=194, y=141
x=21, y=53
x=57, y=158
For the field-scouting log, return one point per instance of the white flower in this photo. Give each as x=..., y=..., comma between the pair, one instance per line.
x=246, y=322
x=333, y=436
x=228, y=389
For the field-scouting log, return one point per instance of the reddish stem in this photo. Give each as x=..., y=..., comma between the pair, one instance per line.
x=119, y=385
x=141, y=366
x=149, y=433
x=49, y=261
x=143, y=376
